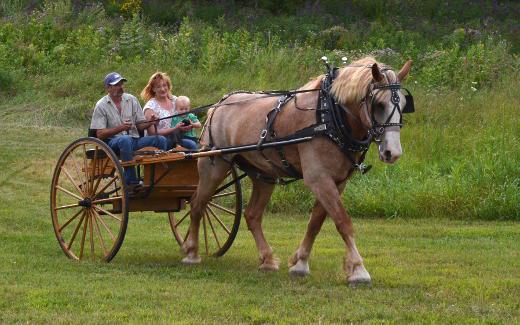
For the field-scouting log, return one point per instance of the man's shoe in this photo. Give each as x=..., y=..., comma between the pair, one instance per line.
x=135, y=187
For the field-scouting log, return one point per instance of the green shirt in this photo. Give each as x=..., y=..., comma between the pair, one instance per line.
x=192, y=117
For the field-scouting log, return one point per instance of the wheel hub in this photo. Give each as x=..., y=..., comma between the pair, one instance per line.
x=87, y=203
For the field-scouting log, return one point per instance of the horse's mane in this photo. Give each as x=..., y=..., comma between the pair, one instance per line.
x=351, y=84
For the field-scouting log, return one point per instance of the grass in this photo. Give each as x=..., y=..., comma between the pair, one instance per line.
x=428, y=270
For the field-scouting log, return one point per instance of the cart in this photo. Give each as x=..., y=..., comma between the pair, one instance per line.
x=90, y=202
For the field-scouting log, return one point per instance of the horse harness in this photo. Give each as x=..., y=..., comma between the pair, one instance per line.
x=331, y=122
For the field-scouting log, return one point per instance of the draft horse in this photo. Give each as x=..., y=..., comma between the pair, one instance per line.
x=368, y=101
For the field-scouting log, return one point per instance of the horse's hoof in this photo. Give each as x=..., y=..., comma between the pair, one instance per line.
x=188, y=260
x=359, y=277
x=359, y=282
x=300, y=269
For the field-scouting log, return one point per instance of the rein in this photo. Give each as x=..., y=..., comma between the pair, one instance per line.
x=204, y=108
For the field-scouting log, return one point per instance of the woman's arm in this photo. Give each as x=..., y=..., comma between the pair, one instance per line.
x=148, y=114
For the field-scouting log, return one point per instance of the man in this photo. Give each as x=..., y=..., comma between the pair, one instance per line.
x=117, y=118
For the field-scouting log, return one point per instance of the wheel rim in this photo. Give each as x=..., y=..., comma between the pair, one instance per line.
x=89, y=201
x=220, y=220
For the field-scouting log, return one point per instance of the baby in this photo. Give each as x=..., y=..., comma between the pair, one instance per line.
x=186, y=123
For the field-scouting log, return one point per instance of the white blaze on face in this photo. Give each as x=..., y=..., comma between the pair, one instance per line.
x=390, y=146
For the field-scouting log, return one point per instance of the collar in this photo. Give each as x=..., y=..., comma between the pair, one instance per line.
x=126, y=97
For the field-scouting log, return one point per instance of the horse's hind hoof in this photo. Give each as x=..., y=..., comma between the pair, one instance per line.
x=191, y=260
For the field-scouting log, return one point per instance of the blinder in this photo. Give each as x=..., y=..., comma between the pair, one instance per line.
x=409, y=107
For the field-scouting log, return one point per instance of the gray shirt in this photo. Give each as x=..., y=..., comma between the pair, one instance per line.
x=106, y=115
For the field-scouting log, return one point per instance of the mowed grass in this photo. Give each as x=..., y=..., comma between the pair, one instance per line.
x=424, y=270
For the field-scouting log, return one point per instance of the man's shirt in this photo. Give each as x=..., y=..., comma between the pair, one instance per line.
x=107, y=116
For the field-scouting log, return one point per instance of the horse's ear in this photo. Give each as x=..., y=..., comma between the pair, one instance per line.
x=376, y=74
x=404, y=70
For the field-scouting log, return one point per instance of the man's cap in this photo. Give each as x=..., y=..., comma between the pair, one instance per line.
x=113, y=78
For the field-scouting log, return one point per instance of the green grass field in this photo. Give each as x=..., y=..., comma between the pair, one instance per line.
x=429, y=270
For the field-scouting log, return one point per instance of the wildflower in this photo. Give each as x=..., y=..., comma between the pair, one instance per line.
x=473, y=88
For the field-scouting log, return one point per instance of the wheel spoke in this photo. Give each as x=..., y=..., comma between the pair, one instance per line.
x=100, y=177
x=106, y=186
x=218, y=220
x=69, y=193
x=98, y=231
x=78, y=173
x=221, y=208
x=72, y=180
x=110, y=199
x=67, y=206
x=104, y=224
x=85, y=166
x=223, y=194
x=83, y=237
x=70, y=220
x=91, y=226
x=212, y=229
x=76, y=230
x=205, y=233
x=94, y=162
x=186, y=236
x=182, y=219
x=106, y=212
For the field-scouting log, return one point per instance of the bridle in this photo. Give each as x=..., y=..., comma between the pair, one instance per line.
x=376, y=129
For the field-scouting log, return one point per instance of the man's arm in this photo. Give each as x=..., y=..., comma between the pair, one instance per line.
x=107, y=133
x=99, y=123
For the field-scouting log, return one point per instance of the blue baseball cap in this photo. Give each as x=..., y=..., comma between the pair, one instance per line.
x=113, y=78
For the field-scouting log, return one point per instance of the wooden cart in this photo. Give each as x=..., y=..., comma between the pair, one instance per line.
x=90, y=202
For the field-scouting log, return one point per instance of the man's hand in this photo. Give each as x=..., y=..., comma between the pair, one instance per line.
x=127, y=124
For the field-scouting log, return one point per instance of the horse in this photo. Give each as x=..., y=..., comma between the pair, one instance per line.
x=371, y=103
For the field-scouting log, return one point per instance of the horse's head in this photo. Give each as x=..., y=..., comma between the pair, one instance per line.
x=386, y=109
x=377, y=94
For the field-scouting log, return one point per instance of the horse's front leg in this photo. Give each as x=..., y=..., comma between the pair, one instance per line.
x=328, y=194
x=255, y=209
x=299, y=262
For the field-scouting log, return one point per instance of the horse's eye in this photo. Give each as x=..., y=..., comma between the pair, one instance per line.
x=379, y=107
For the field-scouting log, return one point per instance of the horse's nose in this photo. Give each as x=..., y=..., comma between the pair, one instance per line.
x=388, y=155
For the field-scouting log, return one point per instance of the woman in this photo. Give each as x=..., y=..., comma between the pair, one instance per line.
x=160, y=101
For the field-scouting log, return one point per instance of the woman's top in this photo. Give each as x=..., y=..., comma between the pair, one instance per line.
x=192, y=117
x=160, y=112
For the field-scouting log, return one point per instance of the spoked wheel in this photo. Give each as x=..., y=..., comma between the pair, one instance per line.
x=220, y=220
x=89, y=201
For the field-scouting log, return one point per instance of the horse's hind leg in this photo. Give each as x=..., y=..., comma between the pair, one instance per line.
x=255, y=209
x=299, y=262
x=329, y=196
x=210, y=176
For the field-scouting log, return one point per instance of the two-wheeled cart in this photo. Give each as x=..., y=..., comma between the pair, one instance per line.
x=90, y=201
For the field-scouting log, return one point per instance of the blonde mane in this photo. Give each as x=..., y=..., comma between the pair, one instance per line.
x=352, y=83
